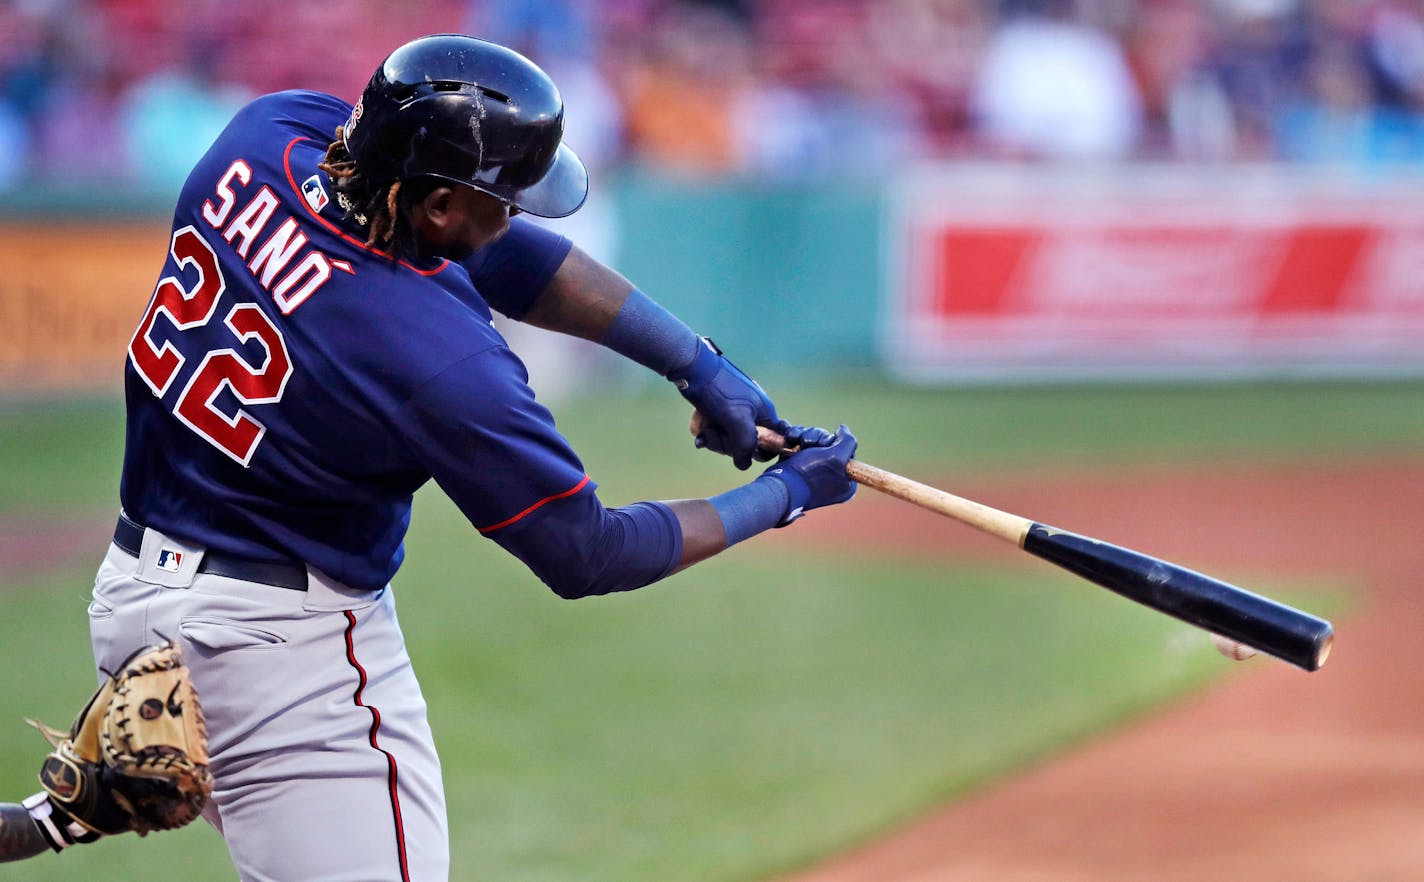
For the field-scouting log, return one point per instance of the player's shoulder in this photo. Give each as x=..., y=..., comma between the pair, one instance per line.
x=404, y=330
x=299, y=112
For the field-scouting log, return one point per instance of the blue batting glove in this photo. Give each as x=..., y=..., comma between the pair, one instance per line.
x=731, y=403
x=816, y=476
x=807, y=436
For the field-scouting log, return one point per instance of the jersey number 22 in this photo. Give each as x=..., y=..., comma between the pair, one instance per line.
x=188, y=308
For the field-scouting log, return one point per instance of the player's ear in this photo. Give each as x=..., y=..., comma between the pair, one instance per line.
x=436, y=206
x=431, y=215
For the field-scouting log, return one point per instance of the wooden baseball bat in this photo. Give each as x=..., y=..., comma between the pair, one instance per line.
x=1289, y=634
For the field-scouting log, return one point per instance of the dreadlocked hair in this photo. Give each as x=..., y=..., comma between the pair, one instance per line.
x=384, y=209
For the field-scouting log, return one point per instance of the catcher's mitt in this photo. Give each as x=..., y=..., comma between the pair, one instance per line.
x=136, y=757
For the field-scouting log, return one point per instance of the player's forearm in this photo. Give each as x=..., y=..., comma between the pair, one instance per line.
x=713, y=525
x=583, y=299
x=587, y=299
x=703, y=531
x=716, y=524
x=20, y=838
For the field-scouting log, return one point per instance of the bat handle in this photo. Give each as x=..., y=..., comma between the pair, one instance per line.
x=768, y=441
x=1009, y=527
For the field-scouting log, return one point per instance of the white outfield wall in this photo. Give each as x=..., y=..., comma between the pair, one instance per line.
x=1044, y=273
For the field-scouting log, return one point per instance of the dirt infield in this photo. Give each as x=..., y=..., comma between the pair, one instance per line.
x=1275, y=774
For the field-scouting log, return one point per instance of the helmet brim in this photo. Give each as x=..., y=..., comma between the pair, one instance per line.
x=560, y=192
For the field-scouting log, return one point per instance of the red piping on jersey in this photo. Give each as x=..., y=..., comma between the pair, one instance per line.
x=390, y=760
x=287, y=165
x=569, y=492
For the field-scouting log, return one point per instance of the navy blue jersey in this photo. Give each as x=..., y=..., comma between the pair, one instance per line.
x=289, y=388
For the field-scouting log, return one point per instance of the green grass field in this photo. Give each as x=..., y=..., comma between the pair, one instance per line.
x=760, y=710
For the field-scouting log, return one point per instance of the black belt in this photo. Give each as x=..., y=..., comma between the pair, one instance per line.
x=129, y=537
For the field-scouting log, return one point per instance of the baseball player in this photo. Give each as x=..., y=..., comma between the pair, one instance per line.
x=319, y=346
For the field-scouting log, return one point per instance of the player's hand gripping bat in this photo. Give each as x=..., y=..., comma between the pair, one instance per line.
x=1234, y=613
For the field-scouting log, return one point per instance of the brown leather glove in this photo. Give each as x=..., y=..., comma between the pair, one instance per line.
x=136, y=757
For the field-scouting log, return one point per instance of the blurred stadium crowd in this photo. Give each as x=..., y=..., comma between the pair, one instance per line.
x=128, y=90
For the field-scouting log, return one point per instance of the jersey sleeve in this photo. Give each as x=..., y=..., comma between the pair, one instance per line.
x=494, y=450
x=488, y=443
x=511, y=273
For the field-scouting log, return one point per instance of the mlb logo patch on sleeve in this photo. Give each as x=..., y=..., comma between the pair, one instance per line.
x=170, y=560
x=315, y=193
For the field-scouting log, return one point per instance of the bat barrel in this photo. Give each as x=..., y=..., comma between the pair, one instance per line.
x=1259, y=622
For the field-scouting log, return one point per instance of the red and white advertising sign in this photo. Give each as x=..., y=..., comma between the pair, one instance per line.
x=1026, y=273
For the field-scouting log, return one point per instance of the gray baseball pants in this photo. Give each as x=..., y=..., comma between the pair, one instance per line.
x=324, y=765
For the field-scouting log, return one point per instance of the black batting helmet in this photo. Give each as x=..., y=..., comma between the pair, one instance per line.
x=471, y=112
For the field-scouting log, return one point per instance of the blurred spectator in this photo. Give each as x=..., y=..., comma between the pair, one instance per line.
x=680, y=92
x=23, y=83
x=1199, y=121
x=28, y=63
x=80, y=109
x=1394, y=52
x=771, y=88
x=1261, y=65
x=169, y=119
x=1364, y=87
x=547, y=30
x=815, y=103
x=1334, y=121
x=84, y=114
x=1054, y=87
x=779, y=131
x=930, y=51
x=1185, y=112
x=14, y=145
